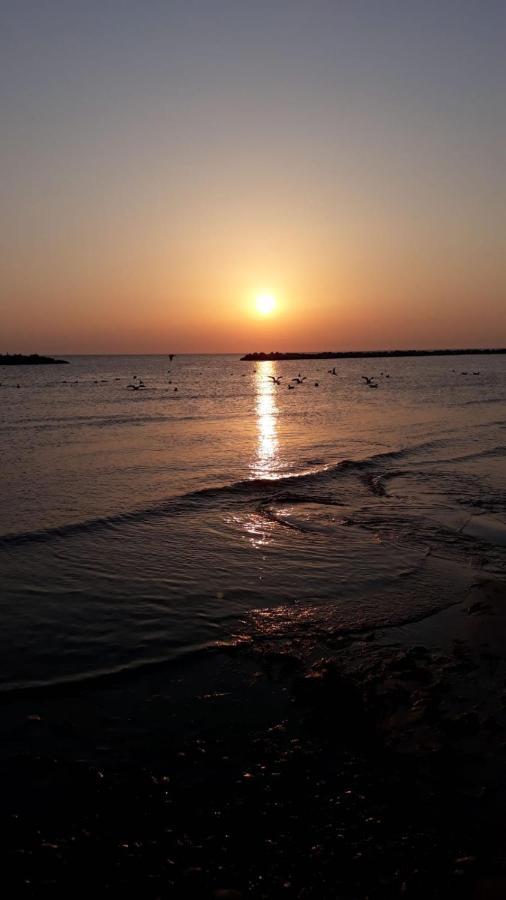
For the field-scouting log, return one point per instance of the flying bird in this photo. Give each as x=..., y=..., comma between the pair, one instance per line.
x=274, y=379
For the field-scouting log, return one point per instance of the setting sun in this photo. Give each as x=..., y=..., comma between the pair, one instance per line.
x=265, y=304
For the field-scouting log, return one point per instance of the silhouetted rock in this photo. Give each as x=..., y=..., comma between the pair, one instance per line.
x=19, y=359
x=368, y=354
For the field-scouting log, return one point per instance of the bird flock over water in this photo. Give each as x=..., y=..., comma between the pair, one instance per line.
x=138, y=384
x=370, y=381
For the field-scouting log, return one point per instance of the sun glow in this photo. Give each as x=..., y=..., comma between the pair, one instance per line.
x=265, y=304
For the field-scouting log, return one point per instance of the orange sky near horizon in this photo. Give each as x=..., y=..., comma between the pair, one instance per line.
x=336, y=306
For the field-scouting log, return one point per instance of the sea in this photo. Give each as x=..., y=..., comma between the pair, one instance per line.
x=153, y=509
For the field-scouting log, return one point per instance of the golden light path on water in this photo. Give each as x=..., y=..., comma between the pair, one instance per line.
x=266, y=461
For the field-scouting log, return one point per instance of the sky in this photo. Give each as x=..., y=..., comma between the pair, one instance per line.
x=164, y=163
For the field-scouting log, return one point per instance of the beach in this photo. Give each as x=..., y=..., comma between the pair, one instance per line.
x=252, y=637
x=374, y=768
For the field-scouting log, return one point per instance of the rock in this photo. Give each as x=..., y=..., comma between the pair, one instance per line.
x=465, y=861
x=334, y=703
x=480, y=606
x=227, y=894
x=465, y=724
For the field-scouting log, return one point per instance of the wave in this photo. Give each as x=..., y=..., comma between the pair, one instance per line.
x=265, y=508
x=482, y=400
x=482, y=454
x=286, y=623
x=247, y=490
x=112, y=674
x=96, y=422
x=487, y=453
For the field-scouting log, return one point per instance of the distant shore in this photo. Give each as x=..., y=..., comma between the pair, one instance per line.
x=33, y=359
x=368, y=354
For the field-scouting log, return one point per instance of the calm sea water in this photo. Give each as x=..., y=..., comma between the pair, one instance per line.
x=139, y=526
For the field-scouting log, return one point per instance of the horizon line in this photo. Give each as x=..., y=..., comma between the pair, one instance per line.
x=392, y=350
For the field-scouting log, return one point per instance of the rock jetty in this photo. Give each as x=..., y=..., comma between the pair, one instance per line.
x=19, y=359
x=368, y=354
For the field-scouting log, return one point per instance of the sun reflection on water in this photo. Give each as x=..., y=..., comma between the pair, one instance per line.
x=258, y=531
x=266, y=462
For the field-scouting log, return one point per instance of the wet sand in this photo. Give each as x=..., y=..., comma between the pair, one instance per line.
x=351, y=767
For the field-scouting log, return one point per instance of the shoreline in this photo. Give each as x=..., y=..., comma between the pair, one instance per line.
x=357, y=767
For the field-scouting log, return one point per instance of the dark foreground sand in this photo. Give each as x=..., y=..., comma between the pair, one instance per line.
x=372, y=767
